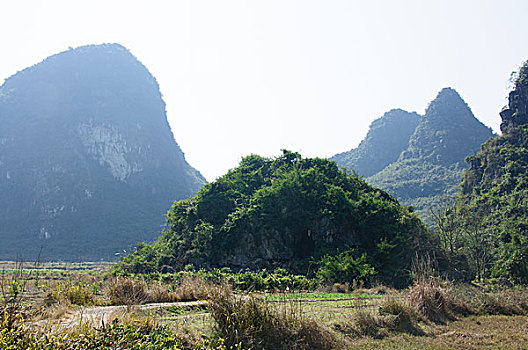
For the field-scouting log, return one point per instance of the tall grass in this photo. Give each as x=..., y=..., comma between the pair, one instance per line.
x=135, y=291
x=250, y=323
x=12, y=287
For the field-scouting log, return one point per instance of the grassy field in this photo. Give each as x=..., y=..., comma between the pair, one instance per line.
x=475, y=332
x=77, y=303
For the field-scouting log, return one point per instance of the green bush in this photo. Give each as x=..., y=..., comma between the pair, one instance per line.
x=346, y=267
x=268, y=209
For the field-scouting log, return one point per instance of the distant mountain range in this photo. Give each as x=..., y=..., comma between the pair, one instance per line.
x=88, y=162
x=419, y=159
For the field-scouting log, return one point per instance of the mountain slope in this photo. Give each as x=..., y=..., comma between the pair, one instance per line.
x=433, y=163
x=386, y=139
x=419, y=159
x=495, y=191
x=88, y=162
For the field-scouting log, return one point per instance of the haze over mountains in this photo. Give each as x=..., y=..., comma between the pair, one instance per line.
x=419, y=159
x=88, y=163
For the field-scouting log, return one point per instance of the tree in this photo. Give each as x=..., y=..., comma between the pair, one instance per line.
x=446, y=217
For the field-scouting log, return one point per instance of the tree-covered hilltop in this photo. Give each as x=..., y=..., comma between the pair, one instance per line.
x=284, y=212
x=494, y=203
x=387, y=138
x=431, y=166
x=88, y=162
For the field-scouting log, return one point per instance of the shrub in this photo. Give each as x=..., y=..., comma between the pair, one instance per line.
x=340, y=288
x=345, y=268
x=402, y=317
x=429, y=298
x=193, y=288
x=127, y=291
x=369, y=324
x=465, y=299
x=120, y=334
x=78, y=293
x=393, y=316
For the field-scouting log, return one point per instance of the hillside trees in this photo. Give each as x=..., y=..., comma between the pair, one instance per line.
x=464, y=239
x=286, y=212
x=491, y=213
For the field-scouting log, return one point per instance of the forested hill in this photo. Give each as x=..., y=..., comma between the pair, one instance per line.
x=431, y=164
x=447, y=133
x=88, y=163
x=494, y=202
x=386, y=139
x=284, y=212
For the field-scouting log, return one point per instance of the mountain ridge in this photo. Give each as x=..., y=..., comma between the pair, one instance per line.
x=432, y=163
x=387, y=137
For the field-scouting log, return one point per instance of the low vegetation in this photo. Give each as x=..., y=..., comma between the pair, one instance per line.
x=236, y=318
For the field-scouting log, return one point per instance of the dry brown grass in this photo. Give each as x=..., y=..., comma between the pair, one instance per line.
x=126, y=291
x=193, y=288
x=392, y=316
x=475, y=332
x=341, y=288
x=249, y=322
x=468, y=300
x=431, y=299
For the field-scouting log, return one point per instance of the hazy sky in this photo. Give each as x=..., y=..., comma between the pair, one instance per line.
x=242, y=77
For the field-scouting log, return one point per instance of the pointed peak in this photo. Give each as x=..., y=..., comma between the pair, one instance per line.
x=448, y=93
x=446, y=102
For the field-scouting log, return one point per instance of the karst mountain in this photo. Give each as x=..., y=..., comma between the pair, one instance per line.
x=419, y=159
x=88, y=162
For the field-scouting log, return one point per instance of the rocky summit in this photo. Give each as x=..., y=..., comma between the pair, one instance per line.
x=88, y=162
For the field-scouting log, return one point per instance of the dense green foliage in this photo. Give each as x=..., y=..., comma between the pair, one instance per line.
x=262, y=280
x=115, y=335
x=284, y=212
x=345, y=268
x=420, y=184
x=88, y=163
x=486, y=231
x=497, y=188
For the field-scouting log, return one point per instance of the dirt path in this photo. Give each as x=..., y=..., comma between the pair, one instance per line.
x=97, y=316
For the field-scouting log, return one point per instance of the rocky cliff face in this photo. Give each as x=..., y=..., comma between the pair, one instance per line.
x=516, y=113
x=88, y=163
x=502, y=157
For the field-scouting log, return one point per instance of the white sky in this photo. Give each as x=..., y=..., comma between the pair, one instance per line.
x=242, y=77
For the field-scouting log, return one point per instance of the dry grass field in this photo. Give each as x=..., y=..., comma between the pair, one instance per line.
x=82, y=306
